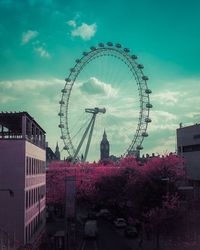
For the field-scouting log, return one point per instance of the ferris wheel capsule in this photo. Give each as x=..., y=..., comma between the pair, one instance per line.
x=92, y=48
x=60, y=114
x=64, y=91
x=118, y=45
x=140, y=66
x=101, y=45
x=73, y=70
x=61, y=102
x=145, y=78
x=145, y=134
x=126, y=50
x=134, y=57
x=147, y=120
x=148, y=91
x=110, y=44
x=78, y=60
x=67, y=79
x=149, y=105
x=139, y=147
x=61, y=125
x=65, y=147
x=63, y=137
x=85, y=53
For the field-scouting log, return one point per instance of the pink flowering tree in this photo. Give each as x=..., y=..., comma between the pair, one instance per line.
x=165, y=216
x=126, y=185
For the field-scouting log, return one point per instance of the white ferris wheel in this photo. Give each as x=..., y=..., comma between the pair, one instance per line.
x=105, y=89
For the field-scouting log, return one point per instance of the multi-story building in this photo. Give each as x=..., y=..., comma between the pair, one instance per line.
x=22, y=172
x=188, y=146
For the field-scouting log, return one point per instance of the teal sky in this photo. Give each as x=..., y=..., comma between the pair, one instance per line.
x=40, y=40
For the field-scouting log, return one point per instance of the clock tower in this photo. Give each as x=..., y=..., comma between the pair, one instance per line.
x=104, y=147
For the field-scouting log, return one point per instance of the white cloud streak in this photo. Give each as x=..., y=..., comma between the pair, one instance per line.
x=29, y=84
x=167, y=98
x=85, y=31
x=42, y=52
x=6, y=99
x=72, y=23
x=28, y=36
x=94, y=86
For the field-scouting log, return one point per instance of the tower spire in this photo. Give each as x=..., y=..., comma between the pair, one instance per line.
x=104, y=135
x=57, y=152
x=104, y=147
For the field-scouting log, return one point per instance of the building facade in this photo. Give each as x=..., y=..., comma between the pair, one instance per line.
x=22, y=170
x=188, y=146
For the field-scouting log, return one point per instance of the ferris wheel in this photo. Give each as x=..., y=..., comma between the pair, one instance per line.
x=105, y=89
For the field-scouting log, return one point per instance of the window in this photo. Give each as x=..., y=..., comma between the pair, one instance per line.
x=26, y=199
x=27, y=159
x=189, y=148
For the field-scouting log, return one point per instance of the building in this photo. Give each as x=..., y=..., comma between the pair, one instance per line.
x=104, y=148
x=57, y=152
x=188, y=146
x=22, y=171
x=50, y=155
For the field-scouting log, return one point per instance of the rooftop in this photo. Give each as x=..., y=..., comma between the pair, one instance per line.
x=13, y=119
x=20, y=125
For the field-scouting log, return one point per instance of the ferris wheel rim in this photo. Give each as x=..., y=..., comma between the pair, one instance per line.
x=143, y=91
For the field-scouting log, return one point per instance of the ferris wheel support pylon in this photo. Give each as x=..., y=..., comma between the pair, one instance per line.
x=90, y=127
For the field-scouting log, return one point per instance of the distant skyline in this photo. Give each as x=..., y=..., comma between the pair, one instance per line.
x=41, y=39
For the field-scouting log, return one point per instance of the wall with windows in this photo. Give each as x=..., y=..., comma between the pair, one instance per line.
x=22, y=169
x=188, y=146
x=35, y=191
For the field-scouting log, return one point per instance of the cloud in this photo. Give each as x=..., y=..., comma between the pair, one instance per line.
x=41, y=51
x=29, y=35
x=40, y=98
x=163, y=120
x=161, y=115
x=167, y=98
x=38, y=46
x=96, y=87
x=85, y=31
x=71, y=23
x=6, y=99
x=164, y=145
x=29, y=85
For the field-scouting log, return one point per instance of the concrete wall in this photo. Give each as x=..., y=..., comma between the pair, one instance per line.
x=12, y=176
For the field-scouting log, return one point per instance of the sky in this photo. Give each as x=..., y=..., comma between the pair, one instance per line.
x=41, y=39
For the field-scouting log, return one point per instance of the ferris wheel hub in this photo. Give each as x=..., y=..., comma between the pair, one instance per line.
x=95, y=110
